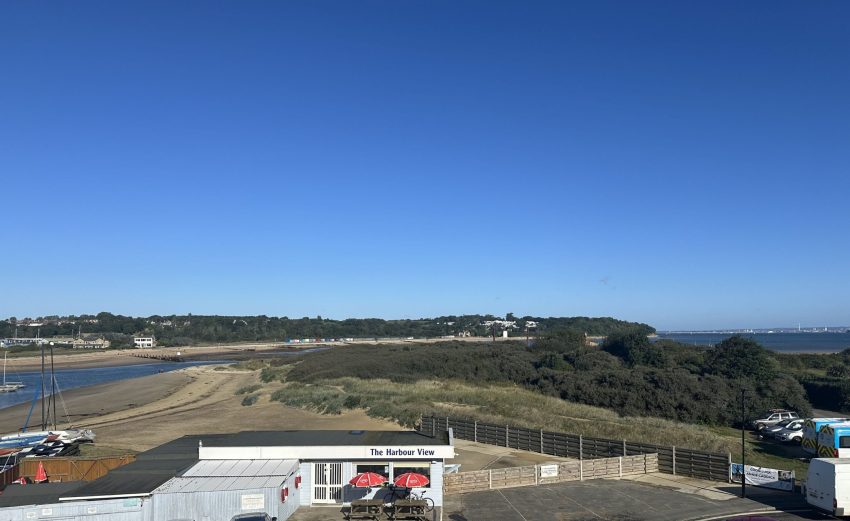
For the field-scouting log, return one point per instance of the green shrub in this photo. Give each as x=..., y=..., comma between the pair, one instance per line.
x=251, y=399
x=249, y=365
x=249, y=389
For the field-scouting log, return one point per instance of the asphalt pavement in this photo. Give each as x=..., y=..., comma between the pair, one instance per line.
x=616, y=500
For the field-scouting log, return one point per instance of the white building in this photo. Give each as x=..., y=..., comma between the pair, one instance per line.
x=144, y=342
x=219, y=476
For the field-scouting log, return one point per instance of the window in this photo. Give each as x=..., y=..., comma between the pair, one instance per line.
x=379, y=468
x=409, y=466
x=844, y=442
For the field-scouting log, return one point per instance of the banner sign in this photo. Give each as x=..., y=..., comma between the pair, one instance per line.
x=548, y=471
x=763, y=477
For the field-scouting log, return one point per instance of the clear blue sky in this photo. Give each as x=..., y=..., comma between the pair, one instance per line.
x=686, y=164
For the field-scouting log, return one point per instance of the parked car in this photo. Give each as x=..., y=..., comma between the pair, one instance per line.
x=258, y=516
x=792, y=433
x=772, y=417
x=772, y=432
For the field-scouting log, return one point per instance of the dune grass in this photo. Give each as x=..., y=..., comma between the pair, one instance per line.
x=406, y=402
x=502, y=404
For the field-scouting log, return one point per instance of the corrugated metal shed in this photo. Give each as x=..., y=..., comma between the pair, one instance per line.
x=212, y=475
x=199, y=484
x=231, y=468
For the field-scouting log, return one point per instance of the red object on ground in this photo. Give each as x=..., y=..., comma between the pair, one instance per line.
x=367, y=479
x=411, y=480
x=40, y=474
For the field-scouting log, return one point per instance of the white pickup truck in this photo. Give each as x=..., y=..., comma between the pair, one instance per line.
x=828, y=485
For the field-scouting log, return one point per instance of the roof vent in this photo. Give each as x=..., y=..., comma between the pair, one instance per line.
x=356, y=433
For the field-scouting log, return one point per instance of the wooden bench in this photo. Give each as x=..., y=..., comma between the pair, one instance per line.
x=366, y=509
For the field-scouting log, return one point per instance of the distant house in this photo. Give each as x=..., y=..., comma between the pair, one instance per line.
x=144, y=342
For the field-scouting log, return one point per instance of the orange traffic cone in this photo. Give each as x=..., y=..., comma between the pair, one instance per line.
x=40, y=475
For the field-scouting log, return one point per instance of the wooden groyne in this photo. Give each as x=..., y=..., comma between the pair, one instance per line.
x=160, y=356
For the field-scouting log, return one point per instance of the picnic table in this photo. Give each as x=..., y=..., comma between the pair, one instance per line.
x=366, y=509
x=409, y=510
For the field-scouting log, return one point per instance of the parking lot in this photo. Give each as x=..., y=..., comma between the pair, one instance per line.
x=616, y=500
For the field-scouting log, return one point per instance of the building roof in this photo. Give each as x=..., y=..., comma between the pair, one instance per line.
x=212, y=475
x=150, y=470
x=241, y=468
x=36, y=493
x=323, y=438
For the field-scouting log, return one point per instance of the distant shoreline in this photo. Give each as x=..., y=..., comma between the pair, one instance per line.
x=783, y=343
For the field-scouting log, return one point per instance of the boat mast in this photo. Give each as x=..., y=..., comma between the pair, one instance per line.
x=52, y=386
x=43, y=418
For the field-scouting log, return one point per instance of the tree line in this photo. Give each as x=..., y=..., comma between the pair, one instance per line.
x=179, y=330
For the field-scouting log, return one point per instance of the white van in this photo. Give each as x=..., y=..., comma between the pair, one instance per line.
x=828, y=485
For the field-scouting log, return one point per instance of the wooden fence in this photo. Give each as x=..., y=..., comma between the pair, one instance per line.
x=671, y=460
x=68, y=469
x=545, y=474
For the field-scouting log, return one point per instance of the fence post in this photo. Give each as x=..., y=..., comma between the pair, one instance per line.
x=491, y=478
x=581, y=470
x=447, y=423
x=433, y=426
x=475, y=431
x=624, y=448
x=536, y=482
x=541, y=441
x=620, y=461
x=729, y=466
x=580, y=448
x=507, y=436
x=674, y=460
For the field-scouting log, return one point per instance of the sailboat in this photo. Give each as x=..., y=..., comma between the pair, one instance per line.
x=9, y=387
x=20, y=442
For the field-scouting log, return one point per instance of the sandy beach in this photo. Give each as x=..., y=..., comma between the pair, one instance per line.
x=141, y=413
x=70, y=359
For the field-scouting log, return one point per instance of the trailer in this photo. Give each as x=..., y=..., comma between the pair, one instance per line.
x=828, y=486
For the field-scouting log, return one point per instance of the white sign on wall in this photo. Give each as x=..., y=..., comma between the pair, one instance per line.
x=253, y=501
x=548, y=471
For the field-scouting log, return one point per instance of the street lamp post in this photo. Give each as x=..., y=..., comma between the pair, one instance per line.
x=743, y=445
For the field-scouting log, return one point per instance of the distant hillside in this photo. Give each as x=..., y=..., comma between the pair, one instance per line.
x=191, y=329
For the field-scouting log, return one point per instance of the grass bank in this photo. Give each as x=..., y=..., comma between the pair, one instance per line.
x=502, y=403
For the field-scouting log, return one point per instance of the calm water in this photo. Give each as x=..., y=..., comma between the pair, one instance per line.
x=782, y=342
x=74, y=378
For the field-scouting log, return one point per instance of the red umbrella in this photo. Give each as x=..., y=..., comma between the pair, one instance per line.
x=40, y=474
x=367, y=479
x=411, y=480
